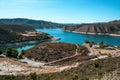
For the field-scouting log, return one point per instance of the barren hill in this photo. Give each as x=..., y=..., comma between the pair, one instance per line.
x=112, y=27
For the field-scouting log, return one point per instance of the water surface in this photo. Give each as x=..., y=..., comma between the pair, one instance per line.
x=75, y=38
x=78, y=38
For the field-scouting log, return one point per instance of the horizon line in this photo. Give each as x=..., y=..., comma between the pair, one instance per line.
x=59, y=22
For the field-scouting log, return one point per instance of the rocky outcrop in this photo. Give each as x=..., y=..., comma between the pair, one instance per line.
x=112, y=27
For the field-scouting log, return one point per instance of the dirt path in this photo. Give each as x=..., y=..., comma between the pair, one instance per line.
x=89, y=48
x=12, y=67
x=69, y=57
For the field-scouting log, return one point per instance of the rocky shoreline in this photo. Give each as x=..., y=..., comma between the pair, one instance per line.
x=29, y=42
x=24, y=42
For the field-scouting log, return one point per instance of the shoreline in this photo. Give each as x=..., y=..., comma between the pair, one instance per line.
x=24, y=43
x=28, y=42
x=93, y=33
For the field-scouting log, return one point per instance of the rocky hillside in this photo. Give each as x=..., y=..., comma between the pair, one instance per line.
x=112, y=27
x=48, y=52
x=33, y=23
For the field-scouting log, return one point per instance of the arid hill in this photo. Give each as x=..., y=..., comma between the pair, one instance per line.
x=51, y=51
x=112, y=27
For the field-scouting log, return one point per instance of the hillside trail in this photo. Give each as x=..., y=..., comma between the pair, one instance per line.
x=76, y=54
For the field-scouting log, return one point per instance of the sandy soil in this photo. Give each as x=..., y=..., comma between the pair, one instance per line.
x=30, y=34
x=13, y=67
x=104, y=51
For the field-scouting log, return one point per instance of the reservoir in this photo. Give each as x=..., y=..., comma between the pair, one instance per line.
x=79, y=38
x=75, y=38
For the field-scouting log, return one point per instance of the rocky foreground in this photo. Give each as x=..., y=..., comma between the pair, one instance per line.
x=97, y=64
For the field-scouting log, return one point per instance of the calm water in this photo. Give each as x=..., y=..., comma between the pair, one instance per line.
x=19, y=48
x=73, y=38
x=78, y=38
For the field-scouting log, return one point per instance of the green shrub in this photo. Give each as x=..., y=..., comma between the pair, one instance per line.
x=33, y=76
x=1, y=52
x=12, y=52
x=96, y=64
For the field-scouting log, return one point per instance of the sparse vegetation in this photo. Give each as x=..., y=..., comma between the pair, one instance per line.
x=33, y=76
x=20, y=55
x=102, y=69
x=53, y=51
x=12, y=52
x=101, y=44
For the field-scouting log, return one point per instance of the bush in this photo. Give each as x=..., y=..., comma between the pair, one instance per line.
x=90, y=44
x=12, y=52
x=101, y=44
x=87, y=41
x=75, y=77
x=1, y=52
x=33, y=76
x=20, y=56
x=96, y=64
x=9, y=77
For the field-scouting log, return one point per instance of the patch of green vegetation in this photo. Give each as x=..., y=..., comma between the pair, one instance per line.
x=1, y=51
x=13, y=53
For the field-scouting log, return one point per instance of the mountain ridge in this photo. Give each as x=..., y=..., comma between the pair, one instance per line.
x=31, y=22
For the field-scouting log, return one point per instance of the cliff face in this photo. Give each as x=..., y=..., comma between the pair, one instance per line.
x=112, y=27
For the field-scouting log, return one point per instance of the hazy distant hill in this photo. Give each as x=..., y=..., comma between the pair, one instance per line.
x=33, y=23
x=112, y=27
x=16, y=28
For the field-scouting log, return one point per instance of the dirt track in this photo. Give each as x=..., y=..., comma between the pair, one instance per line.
x=12, y=67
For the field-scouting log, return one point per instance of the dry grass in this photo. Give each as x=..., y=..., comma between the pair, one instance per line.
x=111, y=76
x=104, y=51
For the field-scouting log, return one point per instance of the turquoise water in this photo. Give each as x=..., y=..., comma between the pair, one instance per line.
x=25, y=47
x=19, y=48
x=70, y=37
x=78, y=38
